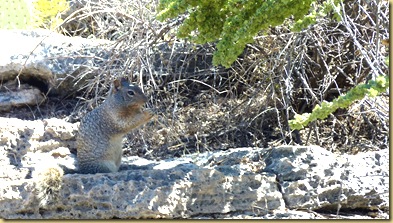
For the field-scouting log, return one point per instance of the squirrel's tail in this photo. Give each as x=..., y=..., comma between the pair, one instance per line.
x=48, y=182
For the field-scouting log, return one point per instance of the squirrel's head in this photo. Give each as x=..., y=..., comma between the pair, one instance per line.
x=127, y=94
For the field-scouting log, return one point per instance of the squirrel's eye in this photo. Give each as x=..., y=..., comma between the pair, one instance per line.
x=131, y=93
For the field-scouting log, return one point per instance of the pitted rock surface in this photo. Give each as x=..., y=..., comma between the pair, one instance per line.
x=243, y=182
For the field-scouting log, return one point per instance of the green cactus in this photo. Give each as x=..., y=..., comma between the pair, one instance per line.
x=20, y=14
x=15, y=14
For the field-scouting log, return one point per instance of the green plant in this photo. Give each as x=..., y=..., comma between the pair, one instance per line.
x=234, y=23
x=319, y=10
x=372, y=89
x=18, y=14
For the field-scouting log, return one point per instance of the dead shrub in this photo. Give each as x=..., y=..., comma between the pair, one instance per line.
x=201, y=107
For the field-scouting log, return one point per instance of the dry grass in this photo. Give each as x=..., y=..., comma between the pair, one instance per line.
x=201, y=107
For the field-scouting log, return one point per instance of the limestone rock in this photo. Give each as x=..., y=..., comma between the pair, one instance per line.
x=24, y=144
x=53, y=64
x=243, y=182
x=314, y=178
x=19, y=95
x=47, y=59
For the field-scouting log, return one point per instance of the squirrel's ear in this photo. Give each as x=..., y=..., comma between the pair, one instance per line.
x=116, y=85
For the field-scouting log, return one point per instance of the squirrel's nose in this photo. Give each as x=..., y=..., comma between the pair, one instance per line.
x=144, y=98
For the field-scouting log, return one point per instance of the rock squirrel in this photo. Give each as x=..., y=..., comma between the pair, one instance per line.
x=99, y=142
